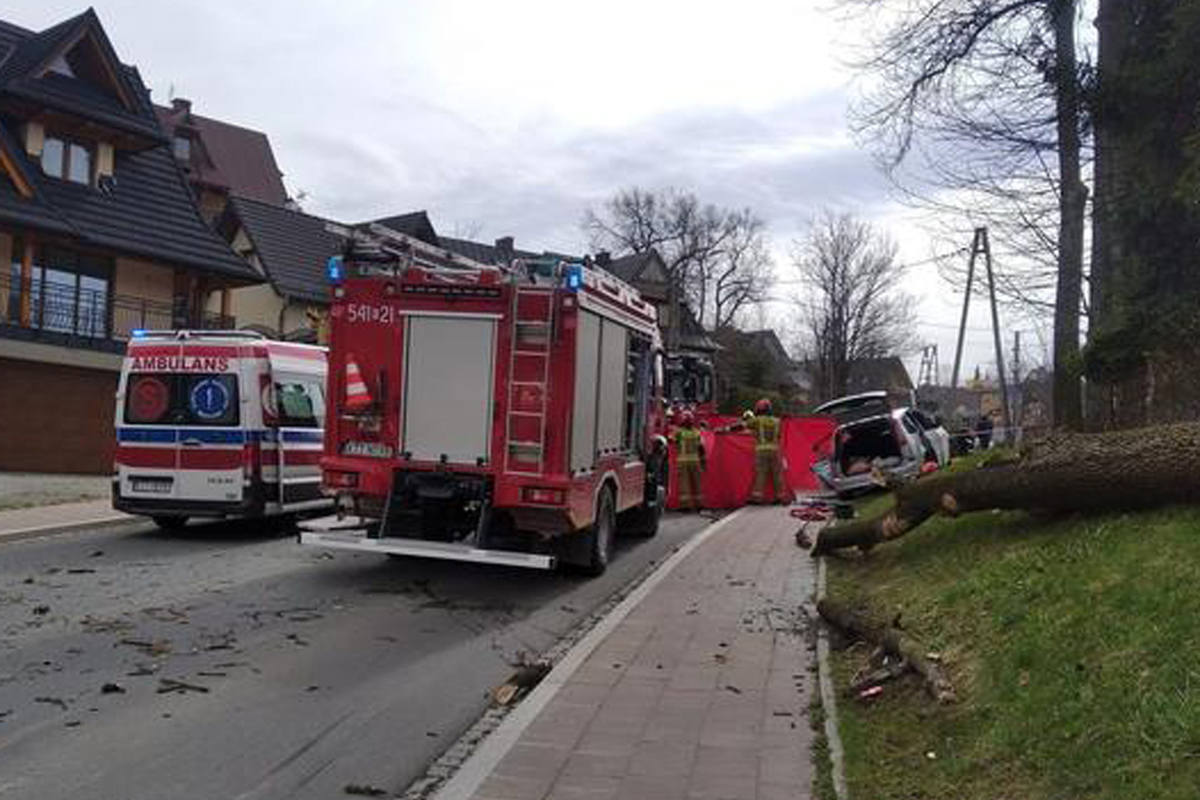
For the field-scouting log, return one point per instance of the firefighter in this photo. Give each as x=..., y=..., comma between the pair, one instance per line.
x=767, y=463
x=690, y=462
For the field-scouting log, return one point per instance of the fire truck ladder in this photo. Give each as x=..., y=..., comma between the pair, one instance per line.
x=529, y=379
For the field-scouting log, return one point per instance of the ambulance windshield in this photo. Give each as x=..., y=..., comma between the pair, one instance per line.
x=163, y=398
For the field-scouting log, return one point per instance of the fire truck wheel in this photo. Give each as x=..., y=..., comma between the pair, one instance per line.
x=170, y=522
x=644, y=520
x=603, y=530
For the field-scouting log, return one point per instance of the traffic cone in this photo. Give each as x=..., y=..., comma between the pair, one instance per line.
x=357, y=396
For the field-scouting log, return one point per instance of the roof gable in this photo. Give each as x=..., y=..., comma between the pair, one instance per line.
x=646, y=266
x=98, y=88
x=415, y=224
x=90, y=58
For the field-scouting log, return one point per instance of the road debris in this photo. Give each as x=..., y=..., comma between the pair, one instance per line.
x=158, y=647
x=364, y=790
x=524, y=679
x=167, y=685
x=81, y=571
x=92, y=624
x=52, y=701
x=112, y=688
x=42, y=609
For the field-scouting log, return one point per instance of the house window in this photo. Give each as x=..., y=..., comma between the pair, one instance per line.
x=54, y=157
x=183, y=148
x=68, y=159
x=69, y=293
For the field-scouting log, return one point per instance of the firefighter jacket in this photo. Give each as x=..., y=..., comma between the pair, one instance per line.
x=689, y=449
x=766, y=433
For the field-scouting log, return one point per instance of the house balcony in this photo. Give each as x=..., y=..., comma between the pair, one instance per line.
x=79, y=317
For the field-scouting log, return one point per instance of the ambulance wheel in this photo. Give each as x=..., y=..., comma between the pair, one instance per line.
x=170, y=522
x=602, y=534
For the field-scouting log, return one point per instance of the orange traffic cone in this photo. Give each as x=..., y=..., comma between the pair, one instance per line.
x=357, y=396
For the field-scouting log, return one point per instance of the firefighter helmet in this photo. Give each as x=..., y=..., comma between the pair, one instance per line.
x=747, y=415
x=763, y=406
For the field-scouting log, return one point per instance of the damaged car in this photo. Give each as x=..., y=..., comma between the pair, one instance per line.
x=874, y=441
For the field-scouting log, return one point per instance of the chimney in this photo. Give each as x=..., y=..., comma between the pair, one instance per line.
x=180, y=105
x=603, y=259
x=504, y=249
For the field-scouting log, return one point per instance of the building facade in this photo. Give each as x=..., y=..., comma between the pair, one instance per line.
x=99, y=236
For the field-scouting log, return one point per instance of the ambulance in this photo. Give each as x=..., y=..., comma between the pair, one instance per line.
x=218, y=424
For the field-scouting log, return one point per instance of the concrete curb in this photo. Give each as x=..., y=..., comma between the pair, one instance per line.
x=837, y=754
x=54, y=529
x=483, y=761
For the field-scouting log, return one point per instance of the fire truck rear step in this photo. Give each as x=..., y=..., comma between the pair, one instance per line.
x=358, y=541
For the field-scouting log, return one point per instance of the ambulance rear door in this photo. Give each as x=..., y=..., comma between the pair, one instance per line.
x=147, y=454
x=297, y=426
x=208, y=407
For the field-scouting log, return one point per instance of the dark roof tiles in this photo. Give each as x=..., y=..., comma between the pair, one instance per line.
x=292, y=247
x=145, y=209
x=241, y=160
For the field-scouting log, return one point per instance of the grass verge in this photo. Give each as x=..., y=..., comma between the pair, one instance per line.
x=1073, y=644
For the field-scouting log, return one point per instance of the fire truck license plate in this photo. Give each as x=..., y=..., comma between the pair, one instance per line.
x=371, y=449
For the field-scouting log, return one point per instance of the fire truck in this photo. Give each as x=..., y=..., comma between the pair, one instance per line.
x=498, y=414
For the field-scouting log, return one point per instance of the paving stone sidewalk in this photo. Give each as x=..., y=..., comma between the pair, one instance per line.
x=702, y=691
x=62, y=515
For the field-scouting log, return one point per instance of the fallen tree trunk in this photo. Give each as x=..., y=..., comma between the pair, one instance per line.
x=893, y=641
x=1132, y=469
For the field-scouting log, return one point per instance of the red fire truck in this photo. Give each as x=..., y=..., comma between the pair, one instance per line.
x=507, y=415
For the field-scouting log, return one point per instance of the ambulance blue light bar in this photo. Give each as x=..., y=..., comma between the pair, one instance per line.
x=137, y=333
x=574, y=276
x=333, y=269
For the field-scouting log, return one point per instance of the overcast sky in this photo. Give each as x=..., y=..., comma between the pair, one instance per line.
x=511, y=118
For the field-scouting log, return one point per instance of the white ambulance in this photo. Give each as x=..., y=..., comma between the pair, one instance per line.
x=218, y=424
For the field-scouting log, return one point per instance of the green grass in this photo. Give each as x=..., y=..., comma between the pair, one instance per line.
x=1074, y=645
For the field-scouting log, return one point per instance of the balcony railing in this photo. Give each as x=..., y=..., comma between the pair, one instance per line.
x=91, y=318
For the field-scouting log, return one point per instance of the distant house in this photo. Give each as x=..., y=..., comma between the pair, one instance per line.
x=290, y=250
x=221, y=160
x=758, y=359
x=647, y=272
x=99, y=236
x=886, y=374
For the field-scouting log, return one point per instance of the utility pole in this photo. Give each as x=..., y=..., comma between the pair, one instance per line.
x=982, y=233
x=962, y=325
x=1018, y=405
x=981, y=245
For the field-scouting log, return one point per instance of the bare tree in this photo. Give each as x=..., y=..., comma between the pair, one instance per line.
x=976, y=111
x=717, y=259
x=850, y=303
x=743, y=275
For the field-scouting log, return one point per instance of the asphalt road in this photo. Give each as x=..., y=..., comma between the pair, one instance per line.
x=226, y=662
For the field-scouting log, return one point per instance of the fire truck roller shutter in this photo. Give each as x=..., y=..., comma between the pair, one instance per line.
x=450, y=363
x=598, y=415
x=614, y=360
x=583, y=414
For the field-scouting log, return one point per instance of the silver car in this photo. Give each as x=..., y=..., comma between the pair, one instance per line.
x=874, y=439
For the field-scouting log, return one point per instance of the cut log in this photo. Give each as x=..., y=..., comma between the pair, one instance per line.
x=1121, y=470
x=893, y=641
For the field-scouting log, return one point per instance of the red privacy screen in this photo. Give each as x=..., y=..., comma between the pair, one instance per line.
x=730, y=475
